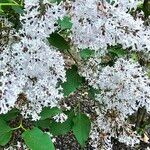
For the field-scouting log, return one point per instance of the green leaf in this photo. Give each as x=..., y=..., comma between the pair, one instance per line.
x=58, y=41
x=43, y=123
x=6, y=1
x=57, y=128
x=1, y=10
x=86, y=53
x=12, y=114
x=48, y=112
x=81, y=128
x=18, y=9
x=92, y=92
x=37, y=140
x=146, y=8
x=5, y=138
x=74, y=81
x=118, y=51
x=58, y=1
x=54, y=1
x=65, y=23
x=5, y=132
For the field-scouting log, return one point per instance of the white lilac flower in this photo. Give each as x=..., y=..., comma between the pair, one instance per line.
x=91, y=70
x=35, y=72
x=6, y=33
x=60, y=117
x=10, y=84
x=129, y=140
x=94, y=137
x=99, y=140
x=42, y=67
x=5, y=21
x=126, y=5
x=97, y=24
x=125, y=86
x=40, y=19
x=34, y=69
x=111, y=124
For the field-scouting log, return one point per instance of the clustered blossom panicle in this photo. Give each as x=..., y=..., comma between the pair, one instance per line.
x=97, y=24
x=124, y=88
x=40, y=19
x=99, y=140
x=126, y=82
x=31, y=68
x=10, y=86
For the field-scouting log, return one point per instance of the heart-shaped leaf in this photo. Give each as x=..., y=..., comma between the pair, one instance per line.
x=65, y=23
x=57, y=128
x=37, y=140
x=58, y=41
x=5, y=132
x=74, y=81
x=48, y=112
x=81, y=128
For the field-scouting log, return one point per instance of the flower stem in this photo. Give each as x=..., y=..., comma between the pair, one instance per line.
x=20, y=126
